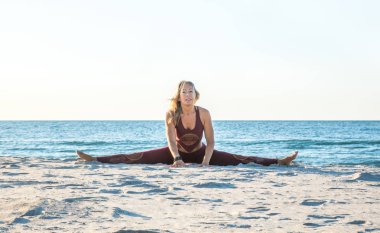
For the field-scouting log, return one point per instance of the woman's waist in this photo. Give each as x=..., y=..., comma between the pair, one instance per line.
x=195, y=149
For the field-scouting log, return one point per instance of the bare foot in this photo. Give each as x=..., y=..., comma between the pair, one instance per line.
x=289, y=159
x=85, y=156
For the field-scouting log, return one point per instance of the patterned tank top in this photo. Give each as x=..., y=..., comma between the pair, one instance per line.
x=189, y=139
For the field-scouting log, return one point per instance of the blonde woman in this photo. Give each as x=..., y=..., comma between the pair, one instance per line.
x=186, y=124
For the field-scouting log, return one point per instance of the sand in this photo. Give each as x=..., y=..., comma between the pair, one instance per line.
x=51, y=195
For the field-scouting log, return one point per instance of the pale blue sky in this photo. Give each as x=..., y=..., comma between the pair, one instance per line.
x=254, y=60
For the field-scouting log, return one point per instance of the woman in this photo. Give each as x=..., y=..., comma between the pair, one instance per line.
x=185, y=125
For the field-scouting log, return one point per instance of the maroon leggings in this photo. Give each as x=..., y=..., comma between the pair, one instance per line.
x=163, y=155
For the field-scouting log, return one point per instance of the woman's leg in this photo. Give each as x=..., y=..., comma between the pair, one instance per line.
x=221, y=158
x=161, y=155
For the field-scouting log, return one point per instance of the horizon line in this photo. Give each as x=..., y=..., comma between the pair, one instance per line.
x=2, y=120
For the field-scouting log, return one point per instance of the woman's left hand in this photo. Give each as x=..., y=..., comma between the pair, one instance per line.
x=178, y=163
x=205, y=163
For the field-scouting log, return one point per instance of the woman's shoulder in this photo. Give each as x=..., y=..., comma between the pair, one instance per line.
x=169, y=116
x=203, y=112
x=202, y=109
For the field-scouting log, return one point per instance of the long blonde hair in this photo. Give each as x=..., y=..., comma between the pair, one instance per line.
x=175, y=108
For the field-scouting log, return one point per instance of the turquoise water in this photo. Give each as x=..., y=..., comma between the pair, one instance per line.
x=319, y=143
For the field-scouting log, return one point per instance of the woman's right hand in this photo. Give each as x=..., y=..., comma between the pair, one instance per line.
x=178, y=163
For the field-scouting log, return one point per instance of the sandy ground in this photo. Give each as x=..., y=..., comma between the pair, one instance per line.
x=48, y=195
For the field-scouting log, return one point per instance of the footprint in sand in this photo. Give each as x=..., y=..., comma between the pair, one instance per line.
x=257, y=209
x=136, y=231
x=184, y=199
x=236, y=226
x=253, y=217
x=279, y=185
x=357, y=222
x=117, y=212
x=14, y=173
x=20, y=221
x=77, y=199
x=326, y=219
x=131, y=182
x=29, y=213
x=273, y=214
x=215, y=185
x=12, y=166
x=286, y=174
x=312, y=202
x=34, y=212
x=212, y=200
x=161, y=191
x=310, y=224
x=111, y=191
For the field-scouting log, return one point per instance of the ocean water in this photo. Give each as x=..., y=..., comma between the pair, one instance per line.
x=320, y=143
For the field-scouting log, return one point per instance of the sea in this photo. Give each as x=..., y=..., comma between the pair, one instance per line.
x=319, y=143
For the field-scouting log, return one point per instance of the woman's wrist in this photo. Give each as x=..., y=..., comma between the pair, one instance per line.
x=177, y=158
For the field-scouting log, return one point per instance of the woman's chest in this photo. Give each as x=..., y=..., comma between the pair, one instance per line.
x=189, y=121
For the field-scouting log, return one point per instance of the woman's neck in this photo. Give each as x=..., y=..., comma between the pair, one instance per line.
x=187, y=110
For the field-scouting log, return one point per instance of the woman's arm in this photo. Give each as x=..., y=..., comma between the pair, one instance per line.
x=209, y=135
x=171, y=138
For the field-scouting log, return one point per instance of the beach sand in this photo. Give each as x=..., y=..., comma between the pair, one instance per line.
x=51, y=195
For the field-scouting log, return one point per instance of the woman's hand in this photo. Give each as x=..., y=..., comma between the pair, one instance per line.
x=178, y=163
x=205, y=162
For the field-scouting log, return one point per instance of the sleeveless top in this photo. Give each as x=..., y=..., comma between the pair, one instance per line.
x=189, y=139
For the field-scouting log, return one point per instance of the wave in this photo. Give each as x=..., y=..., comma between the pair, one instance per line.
x=84, y=143
x=371, y=163
x=27, y=149
x=362, y=143
x=340, y=143
x=97, y=143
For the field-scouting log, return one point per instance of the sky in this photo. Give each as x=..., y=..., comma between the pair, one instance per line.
x=250, y=60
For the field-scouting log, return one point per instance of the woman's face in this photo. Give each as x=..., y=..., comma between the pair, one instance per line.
x=187, y=95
